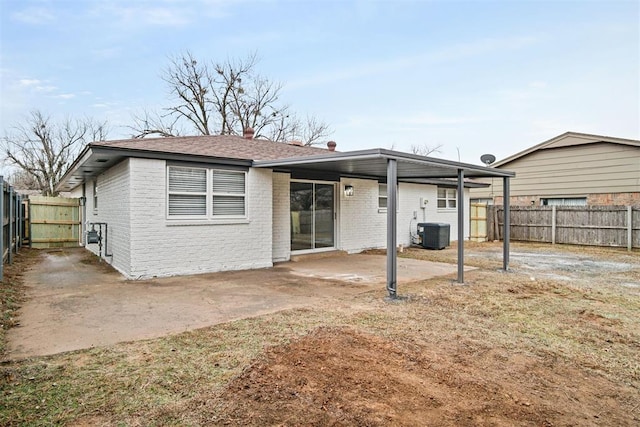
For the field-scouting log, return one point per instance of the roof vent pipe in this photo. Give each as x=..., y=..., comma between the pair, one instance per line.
x=331, y=145
x=297, y=143
x=248, y=133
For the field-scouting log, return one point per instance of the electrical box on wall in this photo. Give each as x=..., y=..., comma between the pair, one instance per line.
x=424, y=202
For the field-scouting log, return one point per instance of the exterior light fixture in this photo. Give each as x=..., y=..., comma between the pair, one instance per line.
x=348, y=190
x=82, y=200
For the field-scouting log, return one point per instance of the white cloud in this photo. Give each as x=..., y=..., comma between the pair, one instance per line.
x=64, y=96
x=29, y=82
x=36, y=85
x=34, y=16
x=47, y=88
x=140, y=16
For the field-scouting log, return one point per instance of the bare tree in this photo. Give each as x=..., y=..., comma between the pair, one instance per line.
x=43, y=149
x=426, y=150
x=225, y=98
x=22, y=180
x=309, y=131
x=151, y=123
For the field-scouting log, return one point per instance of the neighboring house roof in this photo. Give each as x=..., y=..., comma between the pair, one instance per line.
x=568, y=139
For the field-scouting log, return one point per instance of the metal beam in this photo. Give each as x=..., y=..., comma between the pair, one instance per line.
x=506, y=200
x=461, y=225
x=392, y=220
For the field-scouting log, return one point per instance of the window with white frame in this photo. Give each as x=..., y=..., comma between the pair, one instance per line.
x=382, y=196
x=564, y=201
x=228, y=193
x=95, y=194
x=447, y=198
x=206, y=193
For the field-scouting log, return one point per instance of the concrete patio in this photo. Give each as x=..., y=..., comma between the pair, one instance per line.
x=75, y=302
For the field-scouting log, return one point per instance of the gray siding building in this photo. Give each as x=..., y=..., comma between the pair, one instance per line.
x=571, y=169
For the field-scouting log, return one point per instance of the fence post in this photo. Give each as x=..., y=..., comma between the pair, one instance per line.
x=553, y=225
x=10, y=243
x=19, y=221
x=629, y=228
x=16, y=220
x=2, y=237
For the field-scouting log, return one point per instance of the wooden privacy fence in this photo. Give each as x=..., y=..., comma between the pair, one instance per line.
x=12, y=220
x=617, y=226
x=53, y=222
x=478, y=221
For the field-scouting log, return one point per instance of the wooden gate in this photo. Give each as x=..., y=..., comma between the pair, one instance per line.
x=54, y=222
x=478, y=217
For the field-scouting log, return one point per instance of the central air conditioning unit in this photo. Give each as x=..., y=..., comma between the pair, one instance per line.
x=434, y=235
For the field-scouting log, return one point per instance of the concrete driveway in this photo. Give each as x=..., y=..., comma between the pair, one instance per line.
x=75, y=302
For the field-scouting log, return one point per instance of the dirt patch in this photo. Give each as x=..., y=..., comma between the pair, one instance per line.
x=12, y=290
x=344, y=377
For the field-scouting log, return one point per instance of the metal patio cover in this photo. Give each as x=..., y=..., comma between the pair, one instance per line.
x=393, y=167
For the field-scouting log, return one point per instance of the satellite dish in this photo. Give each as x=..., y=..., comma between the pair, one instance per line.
x=487, y=159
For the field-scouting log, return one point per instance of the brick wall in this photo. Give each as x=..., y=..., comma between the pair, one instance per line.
x=614, y=199
x=113, y=209
x=163, y=247
x=410, y=195
x=281, y=218
x=363, y=225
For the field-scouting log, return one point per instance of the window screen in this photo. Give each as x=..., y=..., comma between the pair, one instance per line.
x=228, y=193
x=187, y=191
x=201, y=192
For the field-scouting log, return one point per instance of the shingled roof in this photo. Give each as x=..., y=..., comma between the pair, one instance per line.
x=222, y=146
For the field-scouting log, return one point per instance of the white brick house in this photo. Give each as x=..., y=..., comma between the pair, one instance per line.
x=187, y=205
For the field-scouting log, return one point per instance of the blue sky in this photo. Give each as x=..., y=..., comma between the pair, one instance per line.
x=477, y=77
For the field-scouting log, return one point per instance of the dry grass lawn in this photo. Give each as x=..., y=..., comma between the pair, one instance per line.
x=528, y=347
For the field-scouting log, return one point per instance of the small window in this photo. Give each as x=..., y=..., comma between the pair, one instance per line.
x=382, y=196
x=564, y=201
x=95, y=194
x=447, y=198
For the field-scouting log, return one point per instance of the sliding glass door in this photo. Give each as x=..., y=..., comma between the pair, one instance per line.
x=312, y=216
